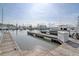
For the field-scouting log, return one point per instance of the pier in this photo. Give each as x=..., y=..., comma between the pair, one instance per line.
x=42, y=35
x=8, y=46
x=62, y=50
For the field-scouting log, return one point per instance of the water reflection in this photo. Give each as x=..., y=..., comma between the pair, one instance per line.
x=27, y=42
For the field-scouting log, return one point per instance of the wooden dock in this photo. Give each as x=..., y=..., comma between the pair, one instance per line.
x=8, y=46
x=65, y=50
x=62, y=50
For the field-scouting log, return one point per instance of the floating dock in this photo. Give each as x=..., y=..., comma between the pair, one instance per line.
x=52, y=37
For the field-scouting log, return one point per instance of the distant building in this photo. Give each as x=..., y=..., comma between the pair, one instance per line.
x=41, y=27
x=30, y=27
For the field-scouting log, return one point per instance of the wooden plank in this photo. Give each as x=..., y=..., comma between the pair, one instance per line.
x=65, y=50
x=8, y=46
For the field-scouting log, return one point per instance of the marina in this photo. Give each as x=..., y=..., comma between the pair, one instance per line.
x=38, y=30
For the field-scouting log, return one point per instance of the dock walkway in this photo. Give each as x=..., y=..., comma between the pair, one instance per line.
x=62, y=50
x=65, y=50
x=8, y=46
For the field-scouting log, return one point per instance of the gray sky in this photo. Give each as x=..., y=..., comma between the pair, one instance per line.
x=40, y=13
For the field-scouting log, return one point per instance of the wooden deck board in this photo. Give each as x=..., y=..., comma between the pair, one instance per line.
x=7, y=46
x=65, y=50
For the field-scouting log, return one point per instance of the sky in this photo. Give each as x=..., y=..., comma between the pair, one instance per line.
x=39, y=13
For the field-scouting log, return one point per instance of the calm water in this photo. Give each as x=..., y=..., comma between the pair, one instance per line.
x=27, y=42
